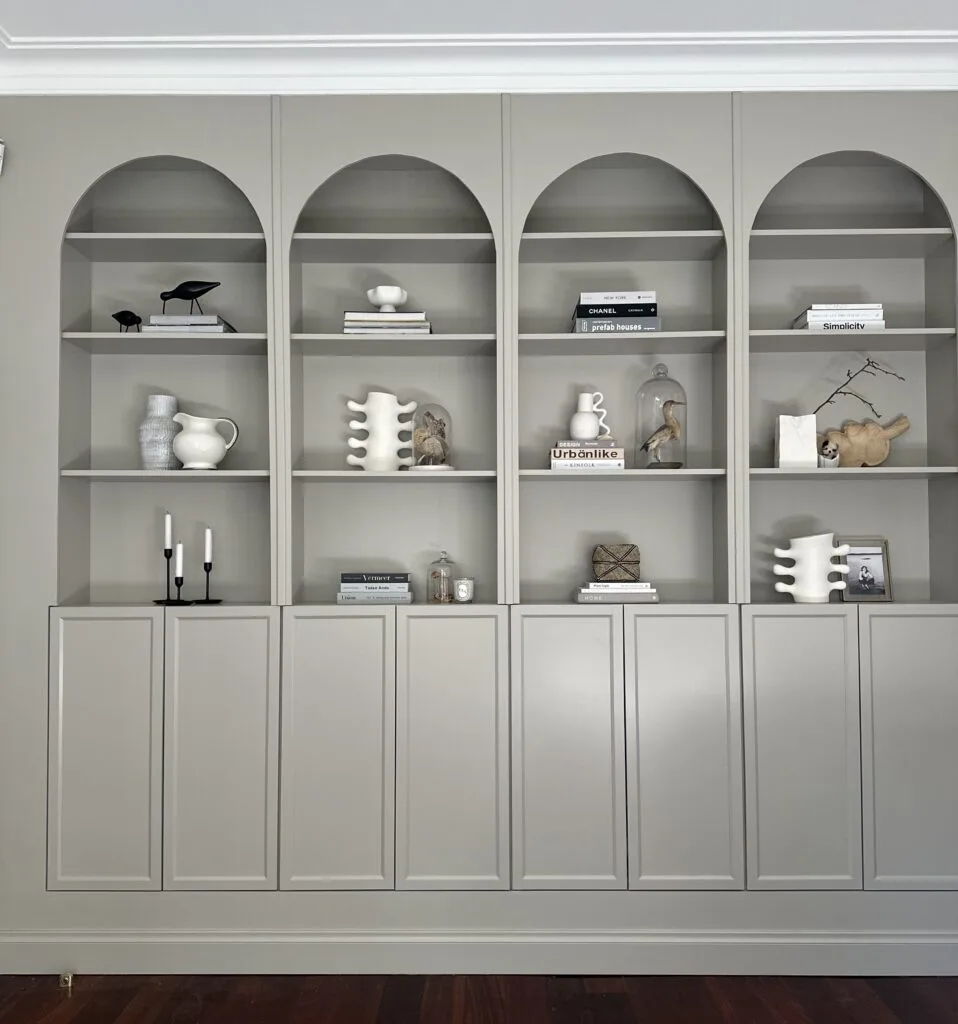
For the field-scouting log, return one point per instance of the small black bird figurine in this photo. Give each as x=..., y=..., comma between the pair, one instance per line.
x=189, y=291
x=126, y=318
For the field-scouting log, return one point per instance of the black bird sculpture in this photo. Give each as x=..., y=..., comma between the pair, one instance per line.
x=126, y=318
x=189, y=291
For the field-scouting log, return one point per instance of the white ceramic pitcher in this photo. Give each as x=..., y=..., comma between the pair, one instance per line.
x=199, y=445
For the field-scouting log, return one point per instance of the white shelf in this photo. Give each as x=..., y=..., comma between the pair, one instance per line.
x=394, y=247
x=169, y=247
x=892, y=339
x=602, y=246
x=645, y=343
x=174, y=343
x=861, y=473
x=167, y=475
x=361, y=476
x=397, y=345
x=621, y=474
x=848, y=243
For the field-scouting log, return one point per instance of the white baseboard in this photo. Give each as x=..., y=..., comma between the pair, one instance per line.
x=612, y=952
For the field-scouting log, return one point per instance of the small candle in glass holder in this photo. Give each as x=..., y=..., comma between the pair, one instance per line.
x=464, y=589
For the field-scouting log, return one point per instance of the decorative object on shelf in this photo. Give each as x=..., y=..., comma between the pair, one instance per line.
x=384, y=429
x=126, y=318
x=841, y=316
x=157, y=432
x=168, y=555
x=374, y=588
x=623, y=592
x=208, y=568
x=442, y=574
x=616, y=313
x=464, y=589
x=178, y=578
x=796, y=443
x=588, y=421
x=585, y=456
x=387, y=297
x=616, y=563
x=867, y=443
x=189, y=291
x=431, y=439
x=827, y=455
x=869, y=572
x=813, y=565
x=391, y=324
x=199, y=445
x=660, y=422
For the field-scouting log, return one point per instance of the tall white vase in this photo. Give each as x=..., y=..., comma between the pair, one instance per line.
x=813, y=563
x=383, y=426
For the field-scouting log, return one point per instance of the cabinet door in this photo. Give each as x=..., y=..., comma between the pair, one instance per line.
x=684, y=748
x=568, y=748
x=910, y=746
x=338, y=760
x=802, y=747
x=222, y=729
x=452, y=757
x=106, y=719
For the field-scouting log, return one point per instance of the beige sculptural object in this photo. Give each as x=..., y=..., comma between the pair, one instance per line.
x=867, y=443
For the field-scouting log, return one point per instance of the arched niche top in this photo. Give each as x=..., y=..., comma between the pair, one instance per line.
x=392, y=193
x=851, y=189
x=622, y=192
x=164, y=194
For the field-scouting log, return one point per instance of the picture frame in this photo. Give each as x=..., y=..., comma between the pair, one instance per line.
x=869, y=577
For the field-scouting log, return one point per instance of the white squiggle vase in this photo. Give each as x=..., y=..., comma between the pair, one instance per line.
x=383, y=426
x=813, y=563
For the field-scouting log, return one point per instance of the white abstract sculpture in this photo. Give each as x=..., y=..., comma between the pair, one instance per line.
x=813, y=563
x=383, y=426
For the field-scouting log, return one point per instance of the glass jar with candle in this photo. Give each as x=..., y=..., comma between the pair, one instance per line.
x=464, y=589
x=442, y=574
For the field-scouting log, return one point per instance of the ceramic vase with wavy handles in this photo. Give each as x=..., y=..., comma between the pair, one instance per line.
x=813, y=564
x=588, y=422
x=383, y=427
x=199, y=445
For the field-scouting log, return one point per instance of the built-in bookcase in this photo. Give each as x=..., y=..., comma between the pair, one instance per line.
x=623, y=222
x=856, y=227
x=139, y=230
x=405, y=221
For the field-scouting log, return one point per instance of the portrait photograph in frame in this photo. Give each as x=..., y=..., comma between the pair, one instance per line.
x=869, y=572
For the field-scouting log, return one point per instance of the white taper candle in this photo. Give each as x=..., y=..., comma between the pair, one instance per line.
x=178, y=571
x=168, y=532
x=208, y=555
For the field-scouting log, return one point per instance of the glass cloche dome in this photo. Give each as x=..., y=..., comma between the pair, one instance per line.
x=660, y=422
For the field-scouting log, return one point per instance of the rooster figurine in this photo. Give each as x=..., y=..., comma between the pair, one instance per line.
x=671, y=430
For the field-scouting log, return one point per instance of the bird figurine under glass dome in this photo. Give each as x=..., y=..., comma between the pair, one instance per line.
x=659, y=427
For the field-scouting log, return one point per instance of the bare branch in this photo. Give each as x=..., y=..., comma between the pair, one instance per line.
x=869, y=368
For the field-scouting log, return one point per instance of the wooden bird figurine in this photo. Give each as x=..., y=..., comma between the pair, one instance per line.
x=126, y=318
x=190, y=291
x=671, y=430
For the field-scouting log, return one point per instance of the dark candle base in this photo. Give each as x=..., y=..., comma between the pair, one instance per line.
x=208, y=600
x=173, y=602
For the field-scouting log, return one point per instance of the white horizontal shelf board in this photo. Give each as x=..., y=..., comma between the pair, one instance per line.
x=169, y=247
x=847, y=243
x=859, y=473
x=621, y=474
x=394, y=247
x=602, y=246
x=397, y=345
x=361, y=476
x=167, y=475
x=175, y=343
x=646, y=343
x=892, y=339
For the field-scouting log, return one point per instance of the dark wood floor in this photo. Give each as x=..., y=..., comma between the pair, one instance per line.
x=478, y=1000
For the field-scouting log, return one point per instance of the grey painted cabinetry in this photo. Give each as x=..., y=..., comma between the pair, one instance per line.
x=802, y=747
x=452, y=748
x=105, y=743
x=909, y=750
x=221, y=748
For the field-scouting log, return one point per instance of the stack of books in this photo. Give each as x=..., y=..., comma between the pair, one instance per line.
x=583, y=456
x=837, y=316
x=385, y=323
x=187, y=323
x=374, y=588
x=617, y=593
x=616, y=313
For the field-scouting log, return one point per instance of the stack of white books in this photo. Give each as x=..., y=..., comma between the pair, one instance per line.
x=584, y=456
x=617, y=593
x=374, y=588
x=187, y=323
x=396, y=323
x=838, y=316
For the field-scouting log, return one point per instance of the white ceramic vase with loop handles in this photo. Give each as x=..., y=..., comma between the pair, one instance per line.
x=199, y=445
x=588, y=422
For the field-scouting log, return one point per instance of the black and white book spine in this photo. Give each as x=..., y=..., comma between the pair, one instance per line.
x=374, y=588
x=816, y=316
x=845, y=305
x=587, y=452
x=370, y=316
x=843, y=325
x=373, y=598
x=184, y=319
x=599, y=442
x=374, y=577
x=615, y=309
x=184, y=329
x=585, y=465
x=600, y=298
x=623, y=586
x=619, y=325
x=612, y=598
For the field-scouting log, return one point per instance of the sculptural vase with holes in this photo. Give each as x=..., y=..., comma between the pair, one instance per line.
x=813, y=566
x=431, y=440
x=660, y=422
x=387, y=433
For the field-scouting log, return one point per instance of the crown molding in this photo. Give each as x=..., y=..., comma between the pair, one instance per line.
x=586, y=62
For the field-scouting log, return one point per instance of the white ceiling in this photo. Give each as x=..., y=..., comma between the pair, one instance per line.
x=416, y=45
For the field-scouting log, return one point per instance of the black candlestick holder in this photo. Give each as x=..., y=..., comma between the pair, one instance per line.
x=178, y=580
x=208, y=569
x=169, y=599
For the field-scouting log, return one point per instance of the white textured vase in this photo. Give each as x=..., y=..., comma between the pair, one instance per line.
x=383, y=427
x=813, y=563
x=157, y=432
